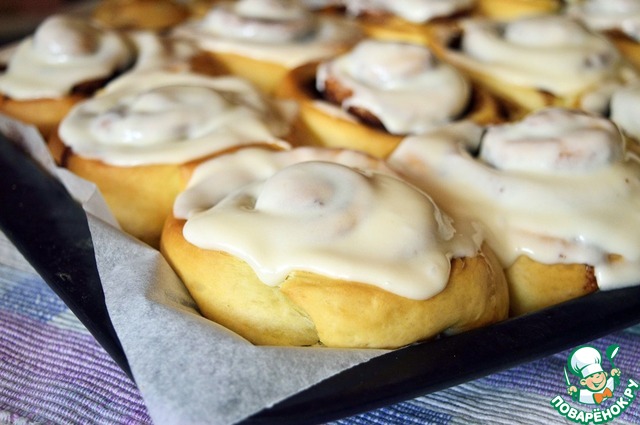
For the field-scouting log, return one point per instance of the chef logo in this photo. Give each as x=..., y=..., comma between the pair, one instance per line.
x=593, y=386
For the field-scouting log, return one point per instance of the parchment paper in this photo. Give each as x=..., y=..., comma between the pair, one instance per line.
x=189, y=370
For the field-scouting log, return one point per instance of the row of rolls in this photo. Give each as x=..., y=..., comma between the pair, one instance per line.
x=353, y=173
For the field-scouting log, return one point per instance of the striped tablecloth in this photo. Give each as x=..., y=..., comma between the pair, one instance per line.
x=52, y=371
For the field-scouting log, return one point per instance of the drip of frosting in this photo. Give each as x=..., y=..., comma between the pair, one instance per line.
x=62, y=53
x=403, y=85
x=163, y=117
x=282, y=32
x=417, y=11
x=625, y=112
x=329, y=218
x=581, y=211
x=548, y=52
x=602, y=15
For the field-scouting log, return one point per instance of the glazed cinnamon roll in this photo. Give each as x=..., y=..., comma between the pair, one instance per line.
x=619, y=20
x=534, y=62
x=262, y=39
x=326, y=247
x=557, y=193
x=134, y=138
x=374, y=95
x=66, y=60
x=406, y=20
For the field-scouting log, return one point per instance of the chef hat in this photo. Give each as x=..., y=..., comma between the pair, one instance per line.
x=585, y=361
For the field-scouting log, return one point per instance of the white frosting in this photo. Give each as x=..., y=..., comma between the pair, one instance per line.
x=625, y=110
x=289, y=211
x=281, y=32
x=417, y=11
x=63, y=52
x=162, y=117
x=154, y=51
x=601, y=15
x=403, y=85
x=576, y=207
x=548, y=52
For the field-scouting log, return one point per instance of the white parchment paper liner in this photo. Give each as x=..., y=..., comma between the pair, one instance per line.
x=189, y=370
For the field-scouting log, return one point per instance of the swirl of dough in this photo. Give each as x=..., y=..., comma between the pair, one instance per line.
x=267, y=21
x=160, y=115
x=603, y=15
x=213, y=179
x=281, y=32
x=553, y=140
x=417, y=11
x=391, y=81
x=548, y=52
x=163, y=117
x=63, y=52
x=335, y=220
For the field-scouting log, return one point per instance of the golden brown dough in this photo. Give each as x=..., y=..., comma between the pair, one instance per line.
x=533, y=285
x=140, y=14
x=309, y=309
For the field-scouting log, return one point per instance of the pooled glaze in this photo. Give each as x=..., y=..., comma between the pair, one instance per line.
x=403, y=85
x=282, y=32
x=572, y=203
x=160, y=117
x=338, y=213
x=411, y=10
x=548, y=52
x=62, y=53
x=602, y=15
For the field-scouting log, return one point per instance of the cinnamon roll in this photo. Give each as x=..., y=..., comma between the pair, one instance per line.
x=372, y=96
x=134, y=138
x=261, y=40
x=535, y=62
x=406, y=20
x=155, y=15
x=326, y=247
x=619, y=20
x=556, y=192
x=64, y=61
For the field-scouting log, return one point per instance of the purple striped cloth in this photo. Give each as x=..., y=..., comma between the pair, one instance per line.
x=53, y=372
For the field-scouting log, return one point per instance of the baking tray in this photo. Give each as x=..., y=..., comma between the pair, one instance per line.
x=50, y=229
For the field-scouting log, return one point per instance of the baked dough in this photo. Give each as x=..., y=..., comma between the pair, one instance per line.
x=296, y=229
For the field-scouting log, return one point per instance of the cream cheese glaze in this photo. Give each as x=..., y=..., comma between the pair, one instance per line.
x=417, y=11
x=548, y=52
x=338, y=213
x=404, y=85
x=282, y=32
x=154, y=52
x=63, y=52
x=161, y=117
x=603, y=15
x=625, y=110
x=575, y=201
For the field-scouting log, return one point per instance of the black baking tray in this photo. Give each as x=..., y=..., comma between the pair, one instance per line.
x=50, y=229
